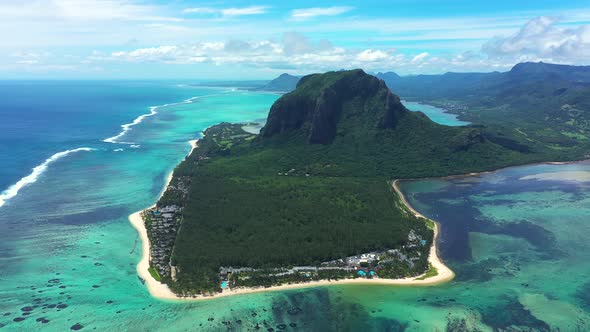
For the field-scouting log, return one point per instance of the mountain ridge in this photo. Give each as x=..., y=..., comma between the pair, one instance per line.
x=283, y=83
x=541, y=102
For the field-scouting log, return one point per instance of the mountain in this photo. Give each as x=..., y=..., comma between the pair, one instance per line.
x=548, y=103
x=388, y=76
x=354, y=117
x=283, y=83
x=313, y=186
x=319, y=101
x=541, y=70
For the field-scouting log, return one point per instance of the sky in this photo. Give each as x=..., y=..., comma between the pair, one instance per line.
x=236, y=40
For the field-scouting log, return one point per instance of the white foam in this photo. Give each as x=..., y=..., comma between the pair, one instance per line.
x=118, y=150
x=37, y=171
x=126, y=127
x=135, y=146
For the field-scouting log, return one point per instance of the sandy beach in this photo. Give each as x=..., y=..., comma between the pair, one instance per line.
x=161, y=291
x=156, y=288
x=444, y=272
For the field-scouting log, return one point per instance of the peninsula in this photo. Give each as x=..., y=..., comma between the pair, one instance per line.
x=311, y=200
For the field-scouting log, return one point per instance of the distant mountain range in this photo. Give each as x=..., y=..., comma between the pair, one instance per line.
x=546, y=102
x=283, y=83
x=525, y=77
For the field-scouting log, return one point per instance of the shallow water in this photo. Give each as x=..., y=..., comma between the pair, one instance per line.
x=435, y=114
x=68, y=253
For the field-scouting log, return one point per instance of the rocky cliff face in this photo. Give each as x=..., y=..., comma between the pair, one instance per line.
x=321, y=102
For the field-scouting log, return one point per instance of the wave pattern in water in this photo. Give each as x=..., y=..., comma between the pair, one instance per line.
x=37, y=171
x=126, y=127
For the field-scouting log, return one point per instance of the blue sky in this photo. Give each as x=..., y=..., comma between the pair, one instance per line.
x=201, y=40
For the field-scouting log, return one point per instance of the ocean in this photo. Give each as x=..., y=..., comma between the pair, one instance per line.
x=76, y=158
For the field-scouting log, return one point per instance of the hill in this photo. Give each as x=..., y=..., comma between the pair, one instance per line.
x=283, y=83
x=314, y=186
x=543, y=102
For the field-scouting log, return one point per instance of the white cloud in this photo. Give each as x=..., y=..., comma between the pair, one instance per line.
x=420, y=57
x=293, y=51
x=542, y=39
x=307, y=13
x=371, y=55
x=253, y=10
x=296, y=43
x=83, y=10
x=227, y=12
x=200, y=10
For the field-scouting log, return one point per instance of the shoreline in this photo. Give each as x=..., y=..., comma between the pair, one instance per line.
x=155, y=288
x=445, y=274
x=455, y=176
x=162, y=291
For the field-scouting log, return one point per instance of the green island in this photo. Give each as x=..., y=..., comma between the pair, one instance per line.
x=310, y=197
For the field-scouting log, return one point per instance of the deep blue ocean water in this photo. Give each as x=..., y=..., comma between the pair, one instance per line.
x=38, y=119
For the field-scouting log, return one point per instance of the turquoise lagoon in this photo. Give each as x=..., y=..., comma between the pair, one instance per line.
x=436, y=114
x=517, y=238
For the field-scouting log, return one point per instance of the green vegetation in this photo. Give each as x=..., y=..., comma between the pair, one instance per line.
x=314, y=185
x=266, y=279
x=154, y=273
x=431, y=272
x=535, y=104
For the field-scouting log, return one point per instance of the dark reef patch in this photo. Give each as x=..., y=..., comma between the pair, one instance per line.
x=316, y=309
x=582, y=296
x=536, y=235
x=90, y=217
x=77, y=327
x=512, y=314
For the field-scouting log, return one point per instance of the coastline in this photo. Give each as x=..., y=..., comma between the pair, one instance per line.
x=162, y=291
x=155, y=288
x=444, y=273
x=456, y=176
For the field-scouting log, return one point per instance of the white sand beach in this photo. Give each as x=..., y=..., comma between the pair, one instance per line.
x=161, y=291
x=156, y=288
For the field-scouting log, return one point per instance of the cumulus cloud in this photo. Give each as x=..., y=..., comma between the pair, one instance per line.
x=542, y=39
x=294, y=50
x=296, y=43
x=307, y=13
x=371, y=55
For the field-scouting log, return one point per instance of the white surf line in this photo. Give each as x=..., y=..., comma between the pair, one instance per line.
x=32, y=178
x=126, y=127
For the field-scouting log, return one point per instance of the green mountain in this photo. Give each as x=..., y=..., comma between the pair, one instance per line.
x=546, y=103
x=355, y=118
x=314, y=186
x=317, y=105
x=283, y=83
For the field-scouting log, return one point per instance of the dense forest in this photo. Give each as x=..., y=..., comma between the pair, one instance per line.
x=540, y=102
x=313, y=186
